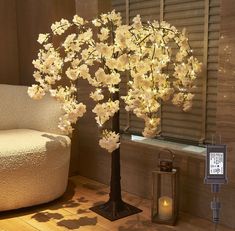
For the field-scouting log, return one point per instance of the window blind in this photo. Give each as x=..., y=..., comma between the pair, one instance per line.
x=201, y=18
x=175, y=122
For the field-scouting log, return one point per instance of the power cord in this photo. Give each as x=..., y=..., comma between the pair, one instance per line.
x=215, y=204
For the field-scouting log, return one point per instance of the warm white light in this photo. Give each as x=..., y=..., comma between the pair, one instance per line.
x=165, y=203
x=165, y=208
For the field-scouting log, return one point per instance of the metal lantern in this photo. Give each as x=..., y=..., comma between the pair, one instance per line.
x=164, y=192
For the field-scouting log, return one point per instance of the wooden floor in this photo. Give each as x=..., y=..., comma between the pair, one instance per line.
x=71, y=212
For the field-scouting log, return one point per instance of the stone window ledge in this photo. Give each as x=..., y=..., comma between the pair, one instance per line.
x=178, y=148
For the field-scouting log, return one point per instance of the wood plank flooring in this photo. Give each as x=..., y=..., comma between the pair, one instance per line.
x=71, y=212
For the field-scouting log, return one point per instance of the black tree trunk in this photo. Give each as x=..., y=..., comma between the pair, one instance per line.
x=115, y=208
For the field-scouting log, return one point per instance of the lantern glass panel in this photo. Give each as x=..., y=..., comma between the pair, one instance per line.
x=165, y=201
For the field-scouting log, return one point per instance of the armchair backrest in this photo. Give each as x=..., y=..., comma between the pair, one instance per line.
x=18, y=110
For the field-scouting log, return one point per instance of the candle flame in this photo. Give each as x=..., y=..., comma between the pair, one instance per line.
x=165, y=203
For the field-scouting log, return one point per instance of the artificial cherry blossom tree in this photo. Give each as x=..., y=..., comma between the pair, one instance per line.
x=157, y=57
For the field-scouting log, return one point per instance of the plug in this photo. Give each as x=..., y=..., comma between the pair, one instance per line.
x=215, y=206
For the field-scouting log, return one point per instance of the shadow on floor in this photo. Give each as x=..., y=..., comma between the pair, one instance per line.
x=78, y=211
x=77, y=223
x=66, y=201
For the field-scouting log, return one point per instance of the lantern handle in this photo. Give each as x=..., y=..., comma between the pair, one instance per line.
x=172, y=153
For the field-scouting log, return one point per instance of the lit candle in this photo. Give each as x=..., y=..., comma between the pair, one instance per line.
x=164, y=208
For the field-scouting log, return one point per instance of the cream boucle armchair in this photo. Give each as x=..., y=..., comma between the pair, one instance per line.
x=34, y=157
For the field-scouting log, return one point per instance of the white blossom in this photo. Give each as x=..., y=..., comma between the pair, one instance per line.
x=78, y=20
x=97, y=95
x=36, y=92
x=109, y=141
x=42, y=38
x=58, y=28
x=104, y=111
x=104, y=34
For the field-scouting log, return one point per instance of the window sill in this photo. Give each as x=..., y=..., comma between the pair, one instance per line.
x=179, y=149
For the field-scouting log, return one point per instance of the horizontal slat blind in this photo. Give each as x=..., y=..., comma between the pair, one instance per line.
x=189, y=14
x=149, y=10
x=175, y=122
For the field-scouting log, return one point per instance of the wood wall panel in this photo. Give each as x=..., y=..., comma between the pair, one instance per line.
x=34, y=17
x=87, y=9
x=9, y=67
x=226, y=101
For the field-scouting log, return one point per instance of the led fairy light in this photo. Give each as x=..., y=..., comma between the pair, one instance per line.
x=142, y=50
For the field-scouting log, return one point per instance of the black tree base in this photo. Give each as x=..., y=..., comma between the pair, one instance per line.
x=113, y=210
